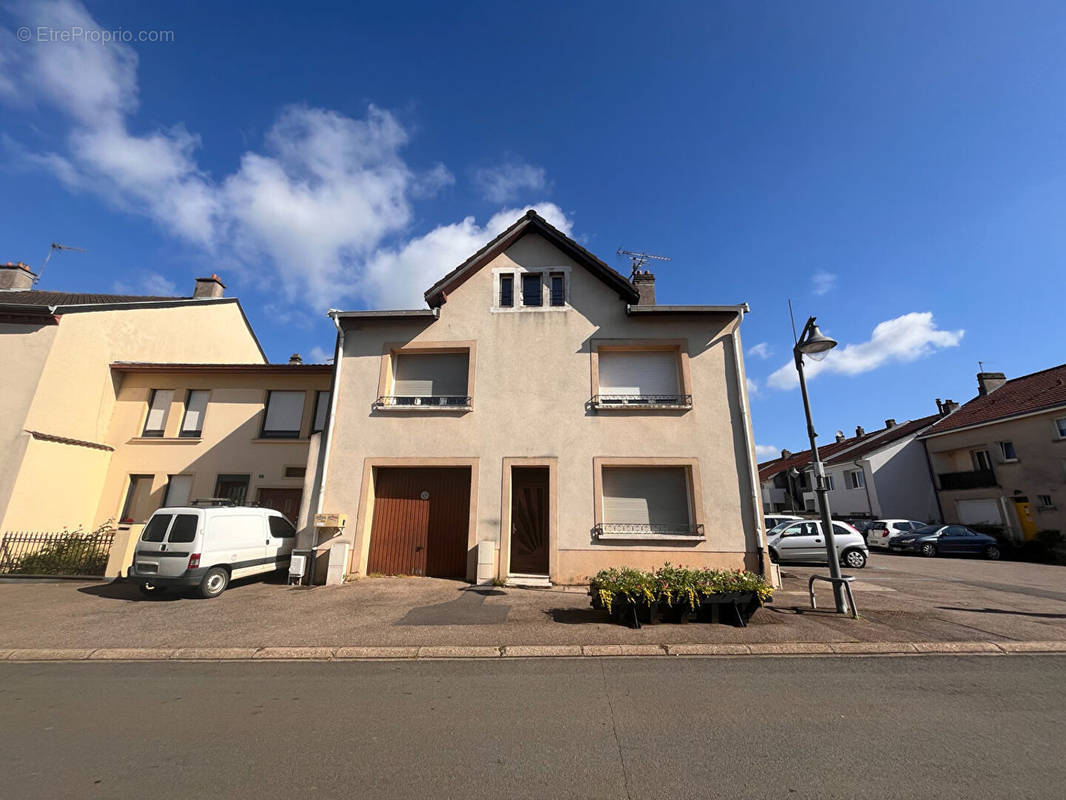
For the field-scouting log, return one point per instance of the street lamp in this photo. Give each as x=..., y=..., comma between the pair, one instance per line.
x=792, y=475
x=816, y=345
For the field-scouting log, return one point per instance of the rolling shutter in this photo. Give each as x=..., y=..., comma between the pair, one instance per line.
x=979, y=512
x=430, y=374
x=195, y=407
x=179, y=487
x=157, y=413
x=285, y=412
x=646, y=495
x=638, y=372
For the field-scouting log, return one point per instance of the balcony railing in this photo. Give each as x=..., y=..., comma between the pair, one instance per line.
x=642, y=400
x=975, y=479
x=630, y=530
x=452, y=402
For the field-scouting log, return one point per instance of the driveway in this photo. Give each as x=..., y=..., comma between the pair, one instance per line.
x=901, y=599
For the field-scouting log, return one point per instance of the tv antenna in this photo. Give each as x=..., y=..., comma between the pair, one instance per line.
x=54, y=248
x=638, y=260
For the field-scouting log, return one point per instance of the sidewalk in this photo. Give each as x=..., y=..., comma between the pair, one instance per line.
x=905, y=604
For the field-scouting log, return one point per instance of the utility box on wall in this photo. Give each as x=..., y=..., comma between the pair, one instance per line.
x=331, y=520
x=486, y=561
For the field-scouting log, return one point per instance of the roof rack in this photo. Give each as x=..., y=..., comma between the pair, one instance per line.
x=213, y=502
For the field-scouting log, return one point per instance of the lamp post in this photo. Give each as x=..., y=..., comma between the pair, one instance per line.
x=816, y=345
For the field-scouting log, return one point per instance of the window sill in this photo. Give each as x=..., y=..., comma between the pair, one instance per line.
x=279, y=440
x=1010, y=461
x=681, y=402
x=165, y=440
x=430, y=409
x=432, y=403
x=527, y=309
x=650, y=537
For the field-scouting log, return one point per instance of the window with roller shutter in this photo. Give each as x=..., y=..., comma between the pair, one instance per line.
x=641, y=378
x=647, y=500
x=429, y=380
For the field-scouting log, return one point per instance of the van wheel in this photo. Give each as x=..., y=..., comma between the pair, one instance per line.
x=150, y=589
x=214, y=583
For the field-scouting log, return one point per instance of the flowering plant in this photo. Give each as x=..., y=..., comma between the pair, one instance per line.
x=672, y=586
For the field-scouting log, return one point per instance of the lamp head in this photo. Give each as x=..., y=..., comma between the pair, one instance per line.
x=816, y=344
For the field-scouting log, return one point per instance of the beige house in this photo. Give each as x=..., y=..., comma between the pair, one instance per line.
x=1000, y=459
x=57, y=438
x=541, y=419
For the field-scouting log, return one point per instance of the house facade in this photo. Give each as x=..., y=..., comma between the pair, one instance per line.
x=542, y=419
x=875, y=475
x=60, y=390
x=1000, y=459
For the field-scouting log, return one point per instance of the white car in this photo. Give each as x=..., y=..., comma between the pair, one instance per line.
x=206, y=548
x=881, y=530
x=771, y=521
x=803, y=542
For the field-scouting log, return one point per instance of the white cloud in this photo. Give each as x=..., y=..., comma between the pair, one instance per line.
x=760, y=350
x=900, y=340
x=766, y=452
x=505, y=182
x=322, y=210
x=320, y=355
x=823, y=282
x=753, y=387
x=156, y=284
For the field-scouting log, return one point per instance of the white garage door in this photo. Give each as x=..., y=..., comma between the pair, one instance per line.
x=979, y=512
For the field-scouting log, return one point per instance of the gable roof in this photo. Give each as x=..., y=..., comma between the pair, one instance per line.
x=886, y=437
x=769, y=469
x=1034, y=392
x=530, y=222
x=38, y=297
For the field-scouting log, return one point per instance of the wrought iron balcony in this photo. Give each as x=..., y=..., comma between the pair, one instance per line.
x=642, y=400
x=630, y=530
x=441, y=402
x=974, y=479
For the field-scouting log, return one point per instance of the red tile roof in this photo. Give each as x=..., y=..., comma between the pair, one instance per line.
x=888, y=436
x=1035, y=392
x=768, y=469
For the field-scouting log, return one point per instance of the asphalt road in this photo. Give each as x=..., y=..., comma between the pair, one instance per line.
x=942, y=727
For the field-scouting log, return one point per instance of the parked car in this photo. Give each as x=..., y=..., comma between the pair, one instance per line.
x=942, y=540
x=773, y=520
x=881, y=530
x=803, y=541
x=206, y=548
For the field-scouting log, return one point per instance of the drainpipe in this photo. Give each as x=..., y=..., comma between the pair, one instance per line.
x=327, y=443
x=749, y=447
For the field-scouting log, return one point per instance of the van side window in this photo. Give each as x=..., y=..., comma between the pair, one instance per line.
x=281, y=529
x=184, y=529
x=156, y=528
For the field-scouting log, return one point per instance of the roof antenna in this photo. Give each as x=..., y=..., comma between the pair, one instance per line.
x=55, y=247
x=981, y=365
x=638, y=260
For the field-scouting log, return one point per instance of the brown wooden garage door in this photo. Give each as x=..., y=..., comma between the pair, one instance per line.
x=421, y=521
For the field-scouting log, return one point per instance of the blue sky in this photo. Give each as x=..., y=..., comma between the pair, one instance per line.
x=896, y=169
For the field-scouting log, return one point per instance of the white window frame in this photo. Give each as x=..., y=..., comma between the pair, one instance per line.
x=1003, y=451
x=545, y=273
x=1041, y=504
x=856, y=477
x=1059, y=424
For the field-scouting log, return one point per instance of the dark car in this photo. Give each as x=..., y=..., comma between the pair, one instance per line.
x=945, y=540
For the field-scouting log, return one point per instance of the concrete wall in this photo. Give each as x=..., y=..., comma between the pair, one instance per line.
x=531, y=400
x=902, y=485
x=1040, y=468
x=64, y=386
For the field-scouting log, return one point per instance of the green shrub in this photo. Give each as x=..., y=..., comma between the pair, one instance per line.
x=671, y=585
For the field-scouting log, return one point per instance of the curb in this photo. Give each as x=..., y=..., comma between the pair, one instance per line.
x=433, y=653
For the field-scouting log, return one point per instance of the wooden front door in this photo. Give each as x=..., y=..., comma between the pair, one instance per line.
x=421, y=521
x=529, y=521
x=287, y=501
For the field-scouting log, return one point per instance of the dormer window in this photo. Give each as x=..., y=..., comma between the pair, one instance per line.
x=532, y=290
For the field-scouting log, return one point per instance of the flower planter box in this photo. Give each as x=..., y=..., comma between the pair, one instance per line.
x=677, y=614
x=738, y=606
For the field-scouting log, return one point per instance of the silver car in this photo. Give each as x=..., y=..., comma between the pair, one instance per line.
x=792, y=542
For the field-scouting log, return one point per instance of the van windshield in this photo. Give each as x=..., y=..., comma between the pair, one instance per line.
x=156, y=528
x=184, y=529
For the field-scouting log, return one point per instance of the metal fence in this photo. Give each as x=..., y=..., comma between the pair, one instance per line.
x=52, y=553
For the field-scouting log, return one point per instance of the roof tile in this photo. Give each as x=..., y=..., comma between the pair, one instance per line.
x=1034, y=392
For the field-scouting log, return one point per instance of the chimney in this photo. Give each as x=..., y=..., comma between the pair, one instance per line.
x=859, y=430
x=209, y=287
x=988, y=382
x=890, y=423
x=949, y=406
x=939, y=407
x=296, y=358
x=786, y=454
x=16, y=276
x=644, y=282
x=840, y=436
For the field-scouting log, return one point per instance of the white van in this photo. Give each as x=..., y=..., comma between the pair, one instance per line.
x=206, y=548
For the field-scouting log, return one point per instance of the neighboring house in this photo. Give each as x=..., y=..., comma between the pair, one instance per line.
x=871, y=475
x=1000, y=459
x=60, y=390
x=183, y=432
x=542, y=419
